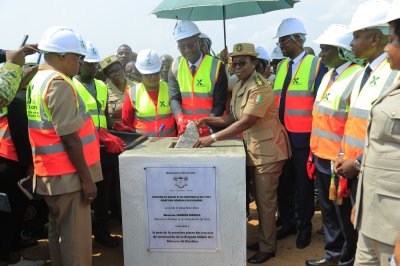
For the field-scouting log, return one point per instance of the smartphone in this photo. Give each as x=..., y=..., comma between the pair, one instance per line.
x=4, y=203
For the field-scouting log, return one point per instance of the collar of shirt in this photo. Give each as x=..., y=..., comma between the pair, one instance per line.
x=374, y=64
x=197, y=63
x=342, y=68
x=296, y=62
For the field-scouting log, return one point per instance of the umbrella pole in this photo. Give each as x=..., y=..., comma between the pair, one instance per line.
x=223, y=19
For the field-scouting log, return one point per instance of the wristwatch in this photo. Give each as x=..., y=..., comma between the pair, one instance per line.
x=357, y=165
x=214, y=137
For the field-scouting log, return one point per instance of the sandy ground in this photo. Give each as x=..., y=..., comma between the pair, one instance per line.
x=287, y=253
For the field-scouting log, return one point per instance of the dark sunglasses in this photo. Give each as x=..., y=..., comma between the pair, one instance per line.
x=241, y=63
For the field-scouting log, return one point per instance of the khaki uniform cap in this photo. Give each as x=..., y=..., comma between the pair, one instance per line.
x=244, y=49
x=109, y=60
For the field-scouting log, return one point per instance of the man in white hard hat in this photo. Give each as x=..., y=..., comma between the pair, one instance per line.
x=146, y=108
x=329, y=117
x=263, y=60
x=94, y=94
x=276, y=56
x=369, y=39
x=296, y=84
x=378, y=201
x=197, y=81
x=65, y=147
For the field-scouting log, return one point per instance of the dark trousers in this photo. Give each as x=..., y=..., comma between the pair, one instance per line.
x=340, y=235
x=296, y=187
x=11, y=223
x=105, y=191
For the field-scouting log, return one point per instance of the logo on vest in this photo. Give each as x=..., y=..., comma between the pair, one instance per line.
x=181, y=181
x=374, y=80
x=199, y=83
x=296, y=81
x=163, y=104
x=326, y=96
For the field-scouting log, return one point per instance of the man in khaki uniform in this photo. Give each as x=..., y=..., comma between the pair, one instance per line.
x=117, y=84
x=65, y=148
x=253, y=112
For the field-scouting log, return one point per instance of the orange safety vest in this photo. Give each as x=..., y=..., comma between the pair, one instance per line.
x=150, y=117
x=7, y=148
x=196, y=91
x=49, y=155
x=330, y=112
x=360, y=105
x=300, y=93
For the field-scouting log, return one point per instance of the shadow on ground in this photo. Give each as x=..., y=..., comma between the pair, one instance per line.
x=286, y=255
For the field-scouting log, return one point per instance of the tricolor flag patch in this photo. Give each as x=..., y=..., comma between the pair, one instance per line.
x=257, y=98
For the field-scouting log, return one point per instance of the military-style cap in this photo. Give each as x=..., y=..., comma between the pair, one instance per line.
x=109, y=60
x=244, y=49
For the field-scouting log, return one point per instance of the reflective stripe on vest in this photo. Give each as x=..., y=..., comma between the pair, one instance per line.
x=300, y=94
x=49, y=155
x=7, y=148
x=361, y=102
x=94, y=106
x=197, y=91
x=148, y=116
x=330, y=112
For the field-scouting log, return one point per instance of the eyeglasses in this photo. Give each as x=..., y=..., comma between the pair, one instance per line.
x=280, y=43
x=241, y=63
x=189, y=46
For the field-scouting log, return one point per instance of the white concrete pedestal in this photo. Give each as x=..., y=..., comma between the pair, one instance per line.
x=228, y=158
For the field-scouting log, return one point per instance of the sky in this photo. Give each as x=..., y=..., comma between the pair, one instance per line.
x=110, y=23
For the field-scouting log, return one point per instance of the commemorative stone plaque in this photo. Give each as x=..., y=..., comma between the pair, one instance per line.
x=182, y=207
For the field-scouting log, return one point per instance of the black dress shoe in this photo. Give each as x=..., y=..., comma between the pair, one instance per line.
x=261, y=257
x=303, y=239
x=321, y=262
x=254, y=247
x=284, y=232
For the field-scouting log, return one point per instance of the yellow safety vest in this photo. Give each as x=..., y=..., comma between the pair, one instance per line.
x=330, y=112
x=196, y=91
x=49, y=155
x=360, y=105
x=300, y=93
x=148, y=116
x=95, y=106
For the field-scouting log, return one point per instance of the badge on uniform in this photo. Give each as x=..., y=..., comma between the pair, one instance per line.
x=258, y=81
x=257, y=98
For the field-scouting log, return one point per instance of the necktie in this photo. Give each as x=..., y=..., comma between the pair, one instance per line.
x=333, y=77
x=193, y=68
x=282, y=101
x=367, y=73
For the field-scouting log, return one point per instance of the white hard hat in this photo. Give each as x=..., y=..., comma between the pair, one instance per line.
x=393, y=13
x=336, y=35
x=92, y=54
x=370, y=14
x=262, y=53
x=148, y=62
x=185, y=29
x=205, y=36
x=290, y=26
x=62, y=40
x=277, y=53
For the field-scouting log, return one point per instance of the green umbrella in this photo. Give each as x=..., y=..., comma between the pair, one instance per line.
x=197, y=10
